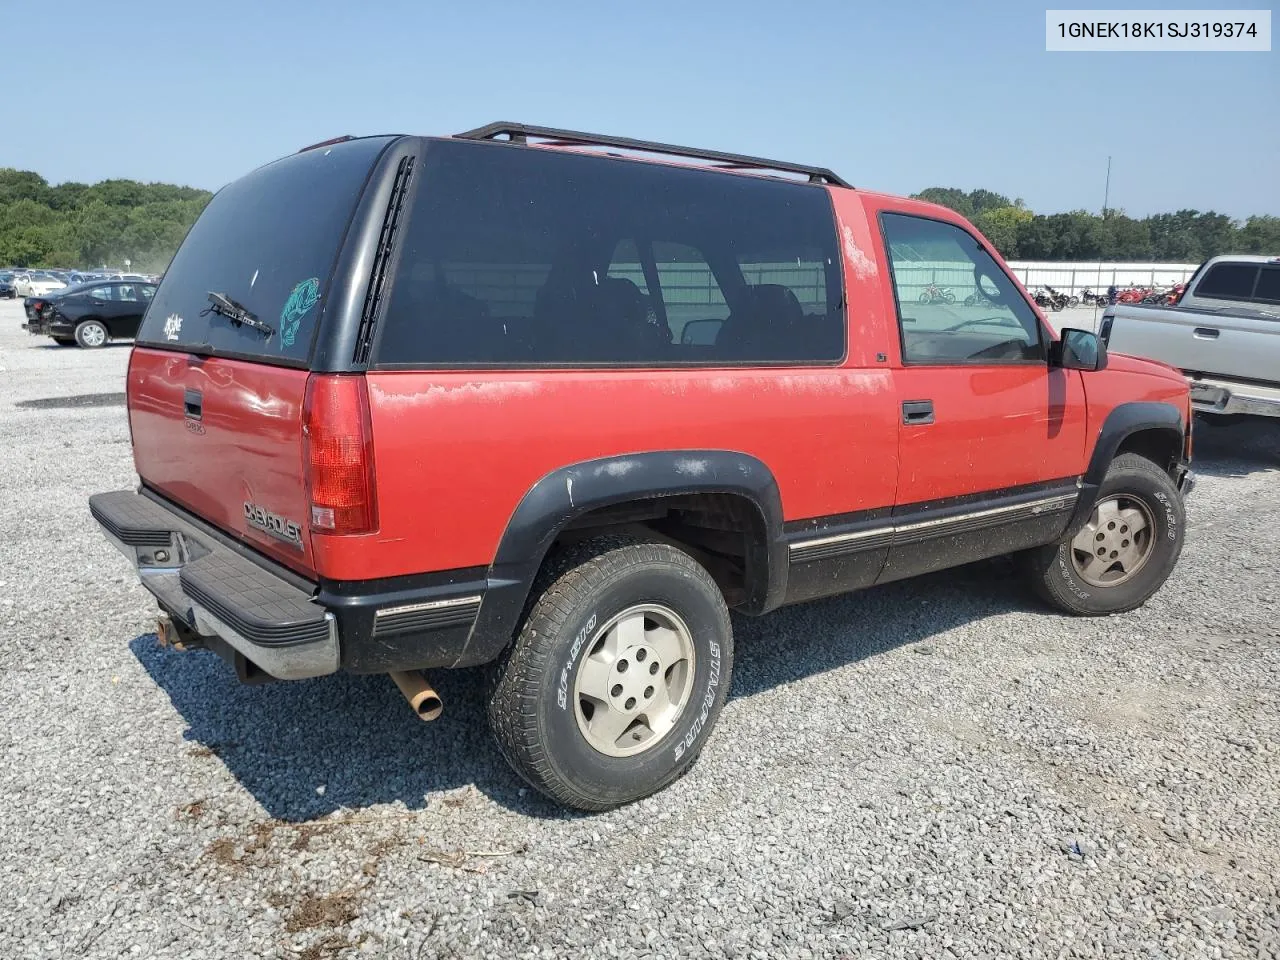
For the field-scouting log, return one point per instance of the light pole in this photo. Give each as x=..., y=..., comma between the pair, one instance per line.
x=1106, y=193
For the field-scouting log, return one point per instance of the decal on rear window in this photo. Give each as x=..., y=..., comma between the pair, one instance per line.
x=172, y=326
x=301, y=300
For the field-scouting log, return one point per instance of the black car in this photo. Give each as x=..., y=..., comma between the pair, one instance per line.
x=7, y=291
x=91, y=314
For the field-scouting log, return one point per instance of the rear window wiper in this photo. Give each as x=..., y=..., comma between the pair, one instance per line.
x=238, y=314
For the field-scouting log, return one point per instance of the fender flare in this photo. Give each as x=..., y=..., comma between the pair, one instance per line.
x=1121, y=423
x=572, y=491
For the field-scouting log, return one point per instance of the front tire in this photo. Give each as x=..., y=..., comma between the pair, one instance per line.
x=91, y=334
x=618, y=674
x=1124, y=553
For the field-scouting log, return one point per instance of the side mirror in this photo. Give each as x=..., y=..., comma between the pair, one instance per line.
x=702, y=333
x=1078, y=350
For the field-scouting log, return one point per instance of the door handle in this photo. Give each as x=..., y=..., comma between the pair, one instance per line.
x=1206, y=333
x=917, y=412
x=192, y=404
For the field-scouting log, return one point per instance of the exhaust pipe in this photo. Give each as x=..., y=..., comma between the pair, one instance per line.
x=421, y=695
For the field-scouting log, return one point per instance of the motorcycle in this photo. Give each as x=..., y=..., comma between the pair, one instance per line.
x=978, y=299
x=1051, y=299
x=1091, y=299
x=936, y=294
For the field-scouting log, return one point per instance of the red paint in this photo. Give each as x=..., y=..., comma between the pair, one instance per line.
x=247, y=445
x=456, y=452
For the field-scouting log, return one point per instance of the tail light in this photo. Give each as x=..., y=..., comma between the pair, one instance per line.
x=338, y=455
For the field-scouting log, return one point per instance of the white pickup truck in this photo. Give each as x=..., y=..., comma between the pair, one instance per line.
x=1224, y=334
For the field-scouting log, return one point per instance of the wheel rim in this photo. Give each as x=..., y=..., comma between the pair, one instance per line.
x=1115, y=544
x=634, y=682
x=93, y=335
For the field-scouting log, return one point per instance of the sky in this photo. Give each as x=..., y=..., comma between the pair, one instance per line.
x=894, y=96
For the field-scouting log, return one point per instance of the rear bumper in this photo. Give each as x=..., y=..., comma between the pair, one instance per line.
x=1227, y=397
x=290, y=627
x=46, y=329
x=218, y=592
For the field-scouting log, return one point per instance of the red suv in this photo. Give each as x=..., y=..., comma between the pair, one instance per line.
x=513, y=398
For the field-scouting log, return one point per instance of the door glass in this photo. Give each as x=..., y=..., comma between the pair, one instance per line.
x=101, y=293
x=127, y=291
x=1228, y=281
x=955, y=303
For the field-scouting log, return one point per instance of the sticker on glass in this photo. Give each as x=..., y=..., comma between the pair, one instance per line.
x=304, y=296
x=172, y=326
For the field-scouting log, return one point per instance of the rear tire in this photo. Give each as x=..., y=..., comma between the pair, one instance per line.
x=1126, y=551
x=91, y=334
x=603, y=698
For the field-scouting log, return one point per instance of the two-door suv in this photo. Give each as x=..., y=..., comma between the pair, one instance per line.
x=520, y=397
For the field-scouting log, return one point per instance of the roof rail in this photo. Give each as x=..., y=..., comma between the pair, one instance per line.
x=520, y=133
x=326, y=143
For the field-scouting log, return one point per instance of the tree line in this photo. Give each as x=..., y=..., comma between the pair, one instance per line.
x=1188, y=236
x=86, y=226
x=83, y=225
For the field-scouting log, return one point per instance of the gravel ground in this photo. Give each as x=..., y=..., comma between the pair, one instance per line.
x=933, y=769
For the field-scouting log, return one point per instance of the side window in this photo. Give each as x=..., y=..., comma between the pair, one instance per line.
x=101, y=293
x=955, y=304
x=1228, y=281
x=127, y=291
x=148, y=292
x=1268, y=289
x=517, y=257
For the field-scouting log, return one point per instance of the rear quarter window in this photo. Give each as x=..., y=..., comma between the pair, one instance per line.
x=1268, y=289
x=269, y=242
x=518, y=257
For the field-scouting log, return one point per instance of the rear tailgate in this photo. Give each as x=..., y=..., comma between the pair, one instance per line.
x=216, y=401
x=223, y=438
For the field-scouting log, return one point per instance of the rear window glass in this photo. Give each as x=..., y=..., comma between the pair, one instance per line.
x=268, y=242
x=517, y=256
x=1228, y=281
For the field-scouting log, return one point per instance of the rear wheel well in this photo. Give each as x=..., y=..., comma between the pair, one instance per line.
x=724, y=532
x=1161, y=446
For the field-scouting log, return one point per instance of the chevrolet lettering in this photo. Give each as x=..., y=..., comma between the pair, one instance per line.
x=287, y=530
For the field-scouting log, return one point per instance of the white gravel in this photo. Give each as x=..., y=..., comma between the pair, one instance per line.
x=939, y=768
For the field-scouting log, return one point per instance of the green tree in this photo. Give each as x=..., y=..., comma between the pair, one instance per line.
x=83, y=225
x=1000, y=225
x=1260, y=235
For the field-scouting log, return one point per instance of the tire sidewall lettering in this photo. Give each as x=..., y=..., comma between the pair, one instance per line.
x=575, y=648
x=709, y=695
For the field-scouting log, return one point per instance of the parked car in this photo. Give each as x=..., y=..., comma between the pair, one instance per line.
x=36, y=284
x=1223, y=334
x=6, y=286
x=460, y=422
x=89, y=315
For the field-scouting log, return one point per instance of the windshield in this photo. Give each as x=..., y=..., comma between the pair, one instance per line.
x=267, y=243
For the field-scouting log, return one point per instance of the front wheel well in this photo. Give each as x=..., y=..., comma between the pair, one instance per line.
x=724, y=532
x=1160, y=445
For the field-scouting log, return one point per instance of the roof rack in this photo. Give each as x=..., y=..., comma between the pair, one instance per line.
x=520, y=133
